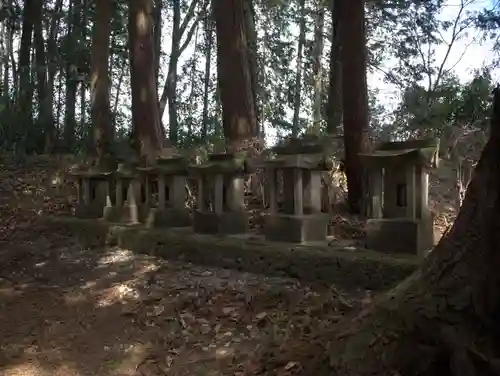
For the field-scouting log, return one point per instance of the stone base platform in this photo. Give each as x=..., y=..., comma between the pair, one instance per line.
x=125, y=213
x=296, y=228
x=224, y=223
x=89, y=211
x=169, y=217
x=400, y=235
x=341, y=265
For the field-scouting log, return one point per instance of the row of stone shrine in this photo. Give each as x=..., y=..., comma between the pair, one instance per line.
x=156, y=195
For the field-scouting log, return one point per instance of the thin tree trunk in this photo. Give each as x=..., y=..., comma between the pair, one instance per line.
x=234, y=74
x=169, y=94
x=45, y=113
x=8, y=51
x=355, y=99
x=206, y=82
x=298, y=72
x=24, y=105
x=50, y=133
x=317, y=66
x=334, y=106
x=148, y=135
x=99, y=86
x=71, y=76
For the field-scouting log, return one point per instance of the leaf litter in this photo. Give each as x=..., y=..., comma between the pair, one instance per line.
x=71, y=311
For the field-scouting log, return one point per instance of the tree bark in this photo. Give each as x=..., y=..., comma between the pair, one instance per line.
x=99, y=85
x=317, y=66
x=234, y=74
x=146, y=125
x=298, y=72
x=73, y=41
x=442, y=320
x=24, y=105
x=209, y=38
x=334, y=106
x=355, y=98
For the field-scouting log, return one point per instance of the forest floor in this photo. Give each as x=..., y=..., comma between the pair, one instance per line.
x=70, y=311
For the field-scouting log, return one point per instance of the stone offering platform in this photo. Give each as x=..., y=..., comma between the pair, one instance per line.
x=343, y=265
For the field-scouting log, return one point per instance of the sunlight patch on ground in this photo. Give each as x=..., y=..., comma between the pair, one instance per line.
x=117, y=294
x=34, y=369
x=116, y=256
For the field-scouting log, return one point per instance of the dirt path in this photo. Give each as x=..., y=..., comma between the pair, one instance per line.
x=70, y=311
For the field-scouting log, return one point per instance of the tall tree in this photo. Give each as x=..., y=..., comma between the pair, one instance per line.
x=334, y=106
x=99, y=84
x=234, y=74
x=355, y=97
x=299, y=68
x=24, y=104
x=146, y=125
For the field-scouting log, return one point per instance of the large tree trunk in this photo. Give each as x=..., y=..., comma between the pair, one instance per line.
x=355, y=97
x=334, y=106
x=442, y=320
x=234, y=74
x=99, y=85
x=146, y=125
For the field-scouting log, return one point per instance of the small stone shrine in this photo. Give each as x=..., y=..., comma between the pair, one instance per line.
x=126, y=200
x=165, y=193
x=221, y=194
x=294, y=179
x=401, y=221
x=92, y=189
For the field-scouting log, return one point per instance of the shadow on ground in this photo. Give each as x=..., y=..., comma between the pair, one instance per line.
x=67, y=310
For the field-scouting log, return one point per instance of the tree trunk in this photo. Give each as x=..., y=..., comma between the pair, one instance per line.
x=249, y=14
x=73, y=37
x=177, y=48
x=99, y=84
x=209, y=38
x=442, y=320
x=146, y=125
x=24, y=105
x=157, y=39
x=317, y=66
x=45, y=121
x=334, y=106
x=298, y=72
x=234, y=74
x=50, y=131
x=355, y=98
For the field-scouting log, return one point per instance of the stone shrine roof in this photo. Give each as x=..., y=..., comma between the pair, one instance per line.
x=412, y=152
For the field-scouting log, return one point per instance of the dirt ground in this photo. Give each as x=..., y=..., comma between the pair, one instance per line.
x=70, y=311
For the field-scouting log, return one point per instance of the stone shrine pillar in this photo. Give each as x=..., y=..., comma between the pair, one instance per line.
x=92, y=191
x=165, y=193
x=129, y=201
x=399, y=183
x=221, y=195
x=294, y=180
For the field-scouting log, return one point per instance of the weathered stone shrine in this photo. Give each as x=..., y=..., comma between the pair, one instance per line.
x=399, y=182
x=221, y=194
x=93, y=184
x=126, y=201
x=164, y=188
x=295, y=175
